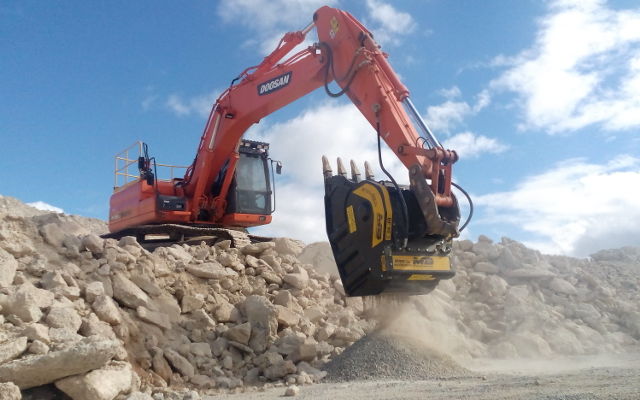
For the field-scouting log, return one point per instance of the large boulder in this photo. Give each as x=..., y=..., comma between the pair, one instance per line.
x=264, y=323
x=100, y=384
x=84, y=356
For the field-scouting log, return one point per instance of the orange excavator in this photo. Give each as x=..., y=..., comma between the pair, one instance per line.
x=385, y=237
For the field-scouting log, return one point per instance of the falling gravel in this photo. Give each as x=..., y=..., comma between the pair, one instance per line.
x=378, y=356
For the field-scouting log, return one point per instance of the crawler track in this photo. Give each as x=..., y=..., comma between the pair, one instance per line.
x=169, y=234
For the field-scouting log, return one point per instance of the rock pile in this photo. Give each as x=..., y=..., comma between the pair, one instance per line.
x=104, y=319
x=508, y=301
x=100, y=318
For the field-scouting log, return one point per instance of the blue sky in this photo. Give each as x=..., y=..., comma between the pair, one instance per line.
x=540, y=98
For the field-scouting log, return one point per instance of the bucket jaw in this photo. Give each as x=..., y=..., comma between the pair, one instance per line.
x=377, y=247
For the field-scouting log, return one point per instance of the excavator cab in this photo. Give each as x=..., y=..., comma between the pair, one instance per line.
x=250, y=191
x=250, y=196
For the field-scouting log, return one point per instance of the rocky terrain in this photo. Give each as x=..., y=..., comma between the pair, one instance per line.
x=90, y=318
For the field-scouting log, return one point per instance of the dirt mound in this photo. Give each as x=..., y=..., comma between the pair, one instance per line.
x=394, y=357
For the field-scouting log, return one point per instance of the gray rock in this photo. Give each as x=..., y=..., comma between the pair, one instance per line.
x=264, y=323
x=146, y=283
x=63, y=336
x=154, y=317
x=52, y=279
x=201, y=349
x=286, y=317
x=93, y=290
x=257, y=248
x=64, y=317
x=279, y=370
x=314, y=373
x=271, y=277
x=85, y=356
x=314, y=314
x=100, y=384
x=225, y=312
x=107, y=310
x=486, y=267
x=139, y=396
x=191, y=303
x=93, y=243
x=36, y=332
x=9, y=391
x=128, y=293
x=38, y=347
x=181, y=364
x=559, y=285
x=529, y=273
x=53, y=235
x=291, y=391
x=285, y=246
x=284, y=298
x=298, y=279
x=493, y=286
x=92, y=325
x=27, y=302
x=304, y=352
x=8, y=266
x=485, y=250
x=210, y=270
x=239, y=333
x=161, y=366
x=12, y=349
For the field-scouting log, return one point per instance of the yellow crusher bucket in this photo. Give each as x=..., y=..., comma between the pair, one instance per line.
x=378, y=249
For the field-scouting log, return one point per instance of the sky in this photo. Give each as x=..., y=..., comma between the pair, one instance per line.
x=541, y=99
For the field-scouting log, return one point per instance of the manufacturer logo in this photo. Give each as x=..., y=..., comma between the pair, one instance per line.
x=335, y=27
x=274, y=84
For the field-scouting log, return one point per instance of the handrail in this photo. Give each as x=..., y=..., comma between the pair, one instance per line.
x=126, y=167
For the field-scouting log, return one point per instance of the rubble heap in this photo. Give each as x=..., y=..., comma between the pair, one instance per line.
x=104, y=318
x=78, y=310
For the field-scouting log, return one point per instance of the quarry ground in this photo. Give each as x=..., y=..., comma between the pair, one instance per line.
x=572, y=378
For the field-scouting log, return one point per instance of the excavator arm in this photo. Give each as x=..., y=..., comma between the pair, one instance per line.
x=385, y=236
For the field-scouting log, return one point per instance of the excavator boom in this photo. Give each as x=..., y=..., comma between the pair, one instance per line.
x=385, y=236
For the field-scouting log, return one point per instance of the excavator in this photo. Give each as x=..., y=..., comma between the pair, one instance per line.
x=385, y=237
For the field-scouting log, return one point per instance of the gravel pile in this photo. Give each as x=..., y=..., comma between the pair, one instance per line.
x=379, y=356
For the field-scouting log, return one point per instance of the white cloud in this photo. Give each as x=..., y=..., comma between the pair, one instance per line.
x=387, y=23
x=199, y=105
x=148, y=102
x=574, y=208
x=471, y=145
x=583, y=69
x=333, y=130
x=451, y=93
x=270, y=19
x=41, y=205
x=270, y=15
x=444, y=117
